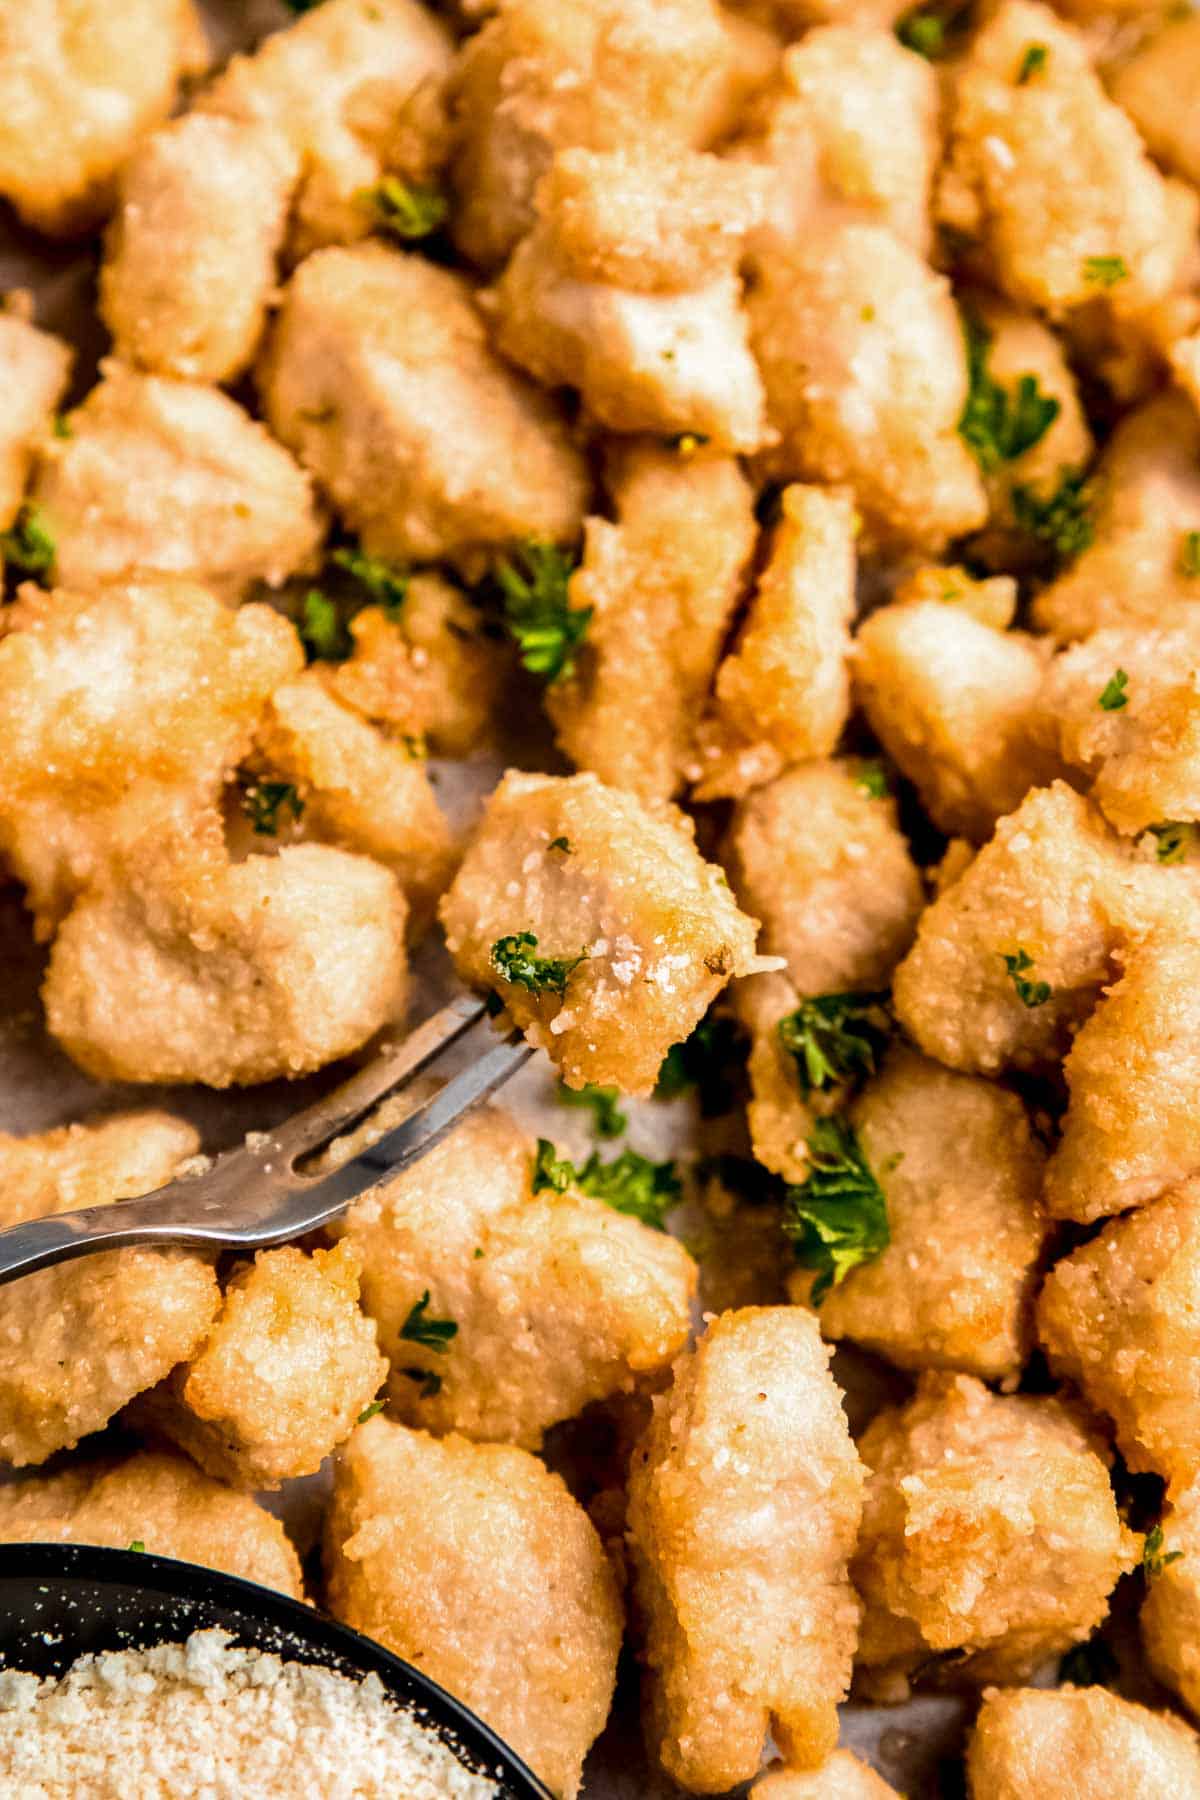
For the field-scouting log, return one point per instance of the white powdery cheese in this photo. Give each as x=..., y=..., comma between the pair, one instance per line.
x=211, y=1721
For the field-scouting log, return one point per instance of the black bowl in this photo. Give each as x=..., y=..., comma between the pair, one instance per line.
x=60, y=1601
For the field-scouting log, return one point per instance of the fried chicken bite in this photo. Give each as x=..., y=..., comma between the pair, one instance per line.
x=161, y=1502
x=744, y=1501
x=1169, y=1620
x=782, y=693
x=843, y=1777
x=359, y=789
x=956, y=704
x=380, y=377
x=34, y=367
x=473, y=1562
x=962, y=1173
x=334, y=85
x=1082, y=1741
x=88, y=761
x=281, y=1378
x=989, y=1529
x=546, y=75
x=626, y=289
x=1141, y=503
x=1154, y=85
x=861, y=353
x=1050, y=178
x=606, y=951
x=555, y=1299
x=1117, y=1317
x=182, y=966
x=80, y=83
x=661, y=579
x=172, y=478
x=190, y=255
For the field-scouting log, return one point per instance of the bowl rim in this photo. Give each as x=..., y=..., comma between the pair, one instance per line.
x=99, y=1565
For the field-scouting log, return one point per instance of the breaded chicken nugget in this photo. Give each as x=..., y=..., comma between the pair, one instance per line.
x=626, y=290
x=744, y=1501
x=173, y=478
x=555, y=1299
x=80, y=82
x=282, y=1376
x=159, y=1501
x=989, y=1528
x=358, y=788
x=1050, y=177
x=333, y=85
x=607, y=950
x=783, y=693
x=662, y=579
x=843, y=1777
x=1145, y=498
x=1084, y=1742
x=380, y=377
x=861, y=351
x=962, y=1173
x=1170, y=1617
x=33, y=368
x=474, y=1562
x=116, y=704
x=190, y=255
x=1155, y=87
x=1117, y=1316
x=183, y=966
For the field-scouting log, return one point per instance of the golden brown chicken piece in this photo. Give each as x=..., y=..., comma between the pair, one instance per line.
x=1084, y=1742
x=843, y=1777
x=34, y=367
x=474, y=1562
x=1170, y=1617
x=1154, y=85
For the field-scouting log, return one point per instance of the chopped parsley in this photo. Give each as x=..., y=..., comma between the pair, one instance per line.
x=1063, y=522
x=263, y=802
x=430, y=1380
x=545, y=627
x=409, y=210
x=608, y=1121
x=924, y=31
x=999, y=425
x=709, y=1063
x=1029, y=993
x=687, y=442
x=386, y=585
x=550, y=1170
x=837, y=1216
x=431, y=1334
x=835, y=1037
x=1089, y=1665
x=29, y=546
x=139, y=1545
x=630, y=1183
x=1189, y=561
x=559, y=843
x=873, y=781
x=368, y=1412
x=322, y=629
x=1154, y=1559
x=514, y=962
x=1175, y=838
x=1032, y=63
x=1105, y=271
x=416, y=746
x=1112, y=697
x=62, y=426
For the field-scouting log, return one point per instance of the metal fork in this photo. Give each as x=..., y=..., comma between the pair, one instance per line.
x=276, y=1186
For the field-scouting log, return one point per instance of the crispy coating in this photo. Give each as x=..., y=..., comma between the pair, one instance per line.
x=861, y=352
x=955, y=703
x=33, y=368
x=744, y=1501
x=359, y=789
x=626, y=289
x=1084, y=1742
x=380, y=377
x=116, y=707
x=80, y=82
x=1055, y=883
x=108, y=1158
x=843, y=1777
x=1047, y=173
x=173, y=478
x=962, y=1173
x=657, y=927
x=282, y=1376
x=1142, y=758
x=989, y=1526
x=544, y=75
x=158, y=1500
x=333, y=85
x=1117, y=1316
x=1155, y=87
x=662, y=579
x=559, y=1301
x=1170, y=1617
x=190, y=254
x=420, y=1529
x=435, y=670
x=185, y=967
x=1145, y=498
x=783, y=693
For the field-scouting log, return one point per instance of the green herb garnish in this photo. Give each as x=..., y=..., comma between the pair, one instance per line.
x=1063, y=523
x=1105, y=271
x=138, y=1544
x=409, y=210
x=608, y=1121
x=560, y=843
x=999, y=425
x=322, y=630
x=630, y=1183
x=265, y=800
x=431, y=1334
x=835, y=1037
x=837, y=1216
x=1032, y=63
x=514, y=962
x=368, y=1412
x=430, y=1380
x=1189, y=561
x=1112, y=696
x=1175, y=838
x=1029, y=993
x=545, y=627
x=29, y=546
x=386, y=585
x=872, y=779
x=1154, y=1559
